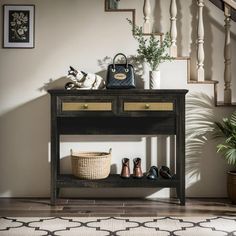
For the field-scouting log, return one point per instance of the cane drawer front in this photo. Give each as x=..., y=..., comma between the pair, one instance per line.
x=147, y=106
x=86, y=105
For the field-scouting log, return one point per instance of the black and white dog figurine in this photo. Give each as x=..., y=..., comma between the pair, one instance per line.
x=82, y=80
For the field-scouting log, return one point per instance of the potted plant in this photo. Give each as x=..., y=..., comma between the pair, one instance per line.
x=227, y=130
x=153, y=51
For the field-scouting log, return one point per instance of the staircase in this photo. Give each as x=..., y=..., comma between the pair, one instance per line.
x=229, y=8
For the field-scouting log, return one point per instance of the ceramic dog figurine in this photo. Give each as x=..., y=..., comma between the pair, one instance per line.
x=82, y=80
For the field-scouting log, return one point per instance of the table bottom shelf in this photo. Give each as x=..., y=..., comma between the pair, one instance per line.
x=115, y=181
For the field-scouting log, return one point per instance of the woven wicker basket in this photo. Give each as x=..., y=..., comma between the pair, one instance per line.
x=91, y=165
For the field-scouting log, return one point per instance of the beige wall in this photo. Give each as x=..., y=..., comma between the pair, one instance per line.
x=80, y=33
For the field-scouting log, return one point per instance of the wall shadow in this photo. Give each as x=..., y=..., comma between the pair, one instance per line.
x=58, y=83
x=161, y=156
x=201, y=175
x=208, y=48
x=25, y=137
x=157, y=26
x=199, y=122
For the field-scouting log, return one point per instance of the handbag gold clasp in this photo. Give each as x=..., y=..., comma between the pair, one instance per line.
x=120, y=76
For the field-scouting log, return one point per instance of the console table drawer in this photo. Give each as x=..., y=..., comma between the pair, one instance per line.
x=148, y=106
x=86, y=106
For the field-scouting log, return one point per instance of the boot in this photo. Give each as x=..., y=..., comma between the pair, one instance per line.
x=137, y=173
x=152, y=173
x=165, y=172
x=125, y=172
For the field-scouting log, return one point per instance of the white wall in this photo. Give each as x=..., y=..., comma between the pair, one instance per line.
x=81, y=34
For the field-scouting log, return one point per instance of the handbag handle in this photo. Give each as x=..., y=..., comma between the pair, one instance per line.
x=126, y=60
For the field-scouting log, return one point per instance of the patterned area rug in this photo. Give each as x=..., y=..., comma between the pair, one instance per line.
x=122, y=226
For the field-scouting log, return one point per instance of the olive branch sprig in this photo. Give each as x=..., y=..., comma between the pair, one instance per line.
x=151, y=50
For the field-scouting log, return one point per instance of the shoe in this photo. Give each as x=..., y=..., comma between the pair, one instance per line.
x=152, y=173
x=165, y=172
x=137, y=171
x=125, y=172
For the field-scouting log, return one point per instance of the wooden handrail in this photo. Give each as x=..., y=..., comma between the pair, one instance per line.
x=221, y=5
x=231, y=3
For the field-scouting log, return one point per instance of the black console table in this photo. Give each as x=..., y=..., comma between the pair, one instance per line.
x=117, y=112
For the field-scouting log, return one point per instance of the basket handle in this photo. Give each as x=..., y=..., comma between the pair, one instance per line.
x=71, y=151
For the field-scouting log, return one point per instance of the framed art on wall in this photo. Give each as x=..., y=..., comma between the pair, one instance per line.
x=18, y=26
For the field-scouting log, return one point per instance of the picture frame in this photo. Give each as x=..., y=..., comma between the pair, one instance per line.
x=18, y=26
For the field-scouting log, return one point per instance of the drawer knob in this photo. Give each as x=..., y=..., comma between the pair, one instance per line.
x=147, y=106
x=85, y=106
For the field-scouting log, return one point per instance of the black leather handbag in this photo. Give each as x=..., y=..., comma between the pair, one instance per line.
x=120, y=76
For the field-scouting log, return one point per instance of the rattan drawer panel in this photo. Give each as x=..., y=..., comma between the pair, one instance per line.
x=86, y=106
x=148, y=106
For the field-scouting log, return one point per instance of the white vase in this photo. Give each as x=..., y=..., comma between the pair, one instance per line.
x=154, y=79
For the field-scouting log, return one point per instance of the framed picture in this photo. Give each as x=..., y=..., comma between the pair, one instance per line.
x=18, y=26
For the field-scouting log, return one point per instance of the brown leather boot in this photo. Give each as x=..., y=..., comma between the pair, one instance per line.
x=137, y=168
x=125, y=172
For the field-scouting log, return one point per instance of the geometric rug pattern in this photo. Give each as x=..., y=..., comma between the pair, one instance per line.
x=118, y=226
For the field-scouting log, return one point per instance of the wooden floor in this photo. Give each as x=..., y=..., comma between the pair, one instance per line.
x=113, y=207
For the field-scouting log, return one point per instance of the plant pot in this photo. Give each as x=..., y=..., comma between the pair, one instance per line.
x=155, y=79
x=231, y=186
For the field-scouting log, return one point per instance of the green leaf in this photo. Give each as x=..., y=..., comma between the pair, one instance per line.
x=230, y=156
x=151, y=50
x=226, y=130
x=233, y=119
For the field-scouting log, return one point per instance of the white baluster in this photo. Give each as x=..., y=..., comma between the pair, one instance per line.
x=173, y=28
x=147, y=17
x=200, y=43
x=227, y=56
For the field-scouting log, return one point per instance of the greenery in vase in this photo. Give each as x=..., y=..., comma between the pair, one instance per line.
x=151, y=50
x=227, y=130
